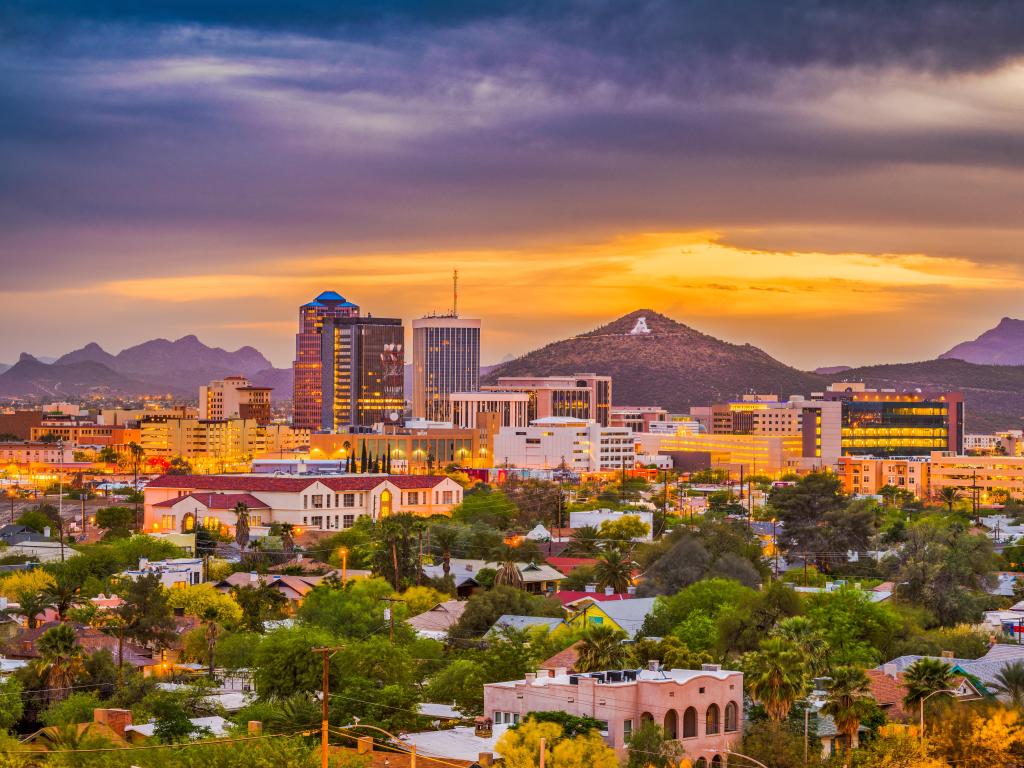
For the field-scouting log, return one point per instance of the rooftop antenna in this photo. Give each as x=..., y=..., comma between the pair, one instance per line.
x=455, y=293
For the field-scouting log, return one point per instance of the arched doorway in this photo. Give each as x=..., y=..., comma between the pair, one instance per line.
x=671, y=724
x=646, y=717
x=716, y=761
x=188, y=523
x=701, y=763
x=689, y=723
x=731, y=717
x=385, y=503
x=712, y=724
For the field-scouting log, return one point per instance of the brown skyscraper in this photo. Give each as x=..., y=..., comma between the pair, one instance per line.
x=307, y=400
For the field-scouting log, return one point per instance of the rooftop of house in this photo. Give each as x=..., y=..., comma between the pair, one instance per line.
x=292, y=483
x=559, y=676
x=512, y=621
x=217, y=500
x=23, y=645
x=440, y=618
x=459, y=744
x=565, y=659
x=628, y=614
x=888, y=690
x=215, y=724
x=985, y=668
x=531, y=572
x=569, y=597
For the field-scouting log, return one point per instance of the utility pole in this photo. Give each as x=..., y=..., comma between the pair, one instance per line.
x=325, y=655
x=60, y=496
x=389, y=616
x=84, y=495
x=543, y=749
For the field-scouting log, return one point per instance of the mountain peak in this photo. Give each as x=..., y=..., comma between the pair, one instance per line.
x=25, y=357
x=1002, y=345
x=190, y=339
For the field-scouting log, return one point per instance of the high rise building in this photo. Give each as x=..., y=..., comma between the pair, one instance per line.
x=362, y=365
x=445, y=360
x=307, y=397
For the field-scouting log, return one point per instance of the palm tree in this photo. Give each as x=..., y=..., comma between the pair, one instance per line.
x=508, y=570
x=63, y=594
x=31, y=604
x=293, y=713
x=73, y=737
x=602, y=648
x=241, y=525
x=1009, y=683
x=136, y=452
x=849, y=701
x=61, y=660
x=445, y=538
x=614, y=569
x=801, y=631
x=210, y=617
x=776, y=676
x=288, y=538
x=925, y=676
x=950, y=496
x=586, y=541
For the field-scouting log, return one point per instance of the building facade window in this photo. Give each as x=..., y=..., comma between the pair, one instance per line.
x=348, y=521
x=712, y=724
x=689, y=723
x=731, y=717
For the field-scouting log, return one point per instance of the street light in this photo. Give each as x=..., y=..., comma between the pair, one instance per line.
x=344, y=564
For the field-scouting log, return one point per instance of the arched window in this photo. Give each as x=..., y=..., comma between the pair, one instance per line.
x=711, y=724
x=716, y=761
x=701, y=763
x=731, y=717
x=689, y=723
x=385, y=503
x=671, y=724
x=647, y=717
x=188, y=523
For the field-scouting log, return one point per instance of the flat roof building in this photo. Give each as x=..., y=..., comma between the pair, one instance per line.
x=445, y=359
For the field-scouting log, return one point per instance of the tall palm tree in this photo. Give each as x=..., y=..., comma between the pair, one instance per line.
x=63, y=593
x=71, y=738
x=1009, y=683
x=288, y=538
x=31, y=604
x=508, y=568
x=210, y=618
x=801, y=631
x=949, y=496
x=445, y=538
x=602, y=648
x=61, y=660
x=614, y=569
x=776, y=676
x=135, y=454
x=925, y=676
x=849, y=701
x=241, y=525
x=586, y=541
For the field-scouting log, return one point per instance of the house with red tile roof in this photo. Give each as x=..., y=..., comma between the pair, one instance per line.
x=888, y=689
x=312, y=504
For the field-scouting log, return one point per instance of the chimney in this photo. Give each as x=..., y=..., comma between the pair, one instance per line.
x=46, y=531
x=947, y=654
x=560, y=671
x=590, y=588
x=710, y=667
x=890, y=670
x=630, y=590
x=653, y=665
x=609, y=590
x=531, y=676
x=115, y=719
x=253, y=577
x=364, y=745
x=255, y=728
x=485, y=759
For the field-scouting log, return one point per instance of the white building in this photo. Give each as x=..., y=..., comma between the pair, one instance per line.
x=513, y=408
x=596, y=517
x=178, y=572
x=445, y=359
x=234, y=398
x=319, y=503
x=580, y=445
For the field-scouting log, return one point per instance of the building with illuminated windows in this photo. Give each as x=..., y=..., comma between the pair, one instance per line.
x=307, y=397
x=362, y=366
x=580, y=445
x=218, y=445
x=579, y=396
x=445, y=359
x=512, y=409
x=977, y=476
x=886, y=423
x=867, y=475
x=234, y=397
x=752, y=454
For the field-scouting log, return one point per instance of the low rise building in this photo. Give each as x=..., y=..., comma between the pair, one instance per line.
x=175, y=573
x=311, y=503
x=578, y=445
x=218, y=444
x=977, y=474
x=579, y=396
x=512, y=408
x=754, y=454
x=638, y=418
x=868, y=475
x=28, y=453
x=702, y=709
x=234, y=397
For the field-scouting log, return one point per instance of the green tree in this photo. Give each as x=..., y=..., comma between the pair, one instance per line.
x=586, y=541
x=259, y=604
x=61, y=661
x=197, y=599
x=241, y=525
x=31, y=604
x=353, y=610
x=235, y=650
x=485, y=608
x=12, y=695
x=378, y=682
x=146, y=612
x=284, y=664
x=602, y=648
x=925, y=676
x=489, y=507
x=76, y=708
x=709, y=596
x=172, y=724
x=508, y=573
x=65, y=591
x=115, y=520
x=806, y=636
x=858, y=631
x=804, y=510
x=949, y=496
x=1008, y=683
x=614, y=569
x=849, y=700
x=178, y=466
x=648, y=748
x=624, y=530
x=444, y=538
x=743, y=626
x=776, y=676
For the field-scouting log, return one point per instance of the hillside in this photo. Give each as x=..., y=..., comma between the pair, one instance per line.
x=31, y=378
x=1002, y=345
x=673, y=366
x=993, y=394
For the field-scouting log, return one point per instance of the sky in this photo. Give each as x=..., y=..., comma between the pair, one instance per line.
x=835, y=181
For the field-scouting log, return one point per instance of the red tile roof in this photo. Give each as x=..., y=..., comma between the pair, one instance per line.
x=888, y=692
x=566, y=658
x=569, y=564
x=23, y=645
x=291, y=484
x=570, y=596
x=218, y=500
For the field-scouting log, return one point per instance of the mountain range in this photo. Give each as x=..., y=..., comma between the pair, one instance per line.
x=159, y=366
x=670, y=364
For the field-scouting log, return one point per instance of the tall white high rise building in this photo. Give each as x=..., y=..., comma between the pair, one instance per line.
x=446, y=359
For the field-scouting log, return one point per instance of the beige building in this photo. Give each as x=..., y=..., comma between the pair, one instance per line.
x=512, y=408
x=867, y=475
x=579, y=396
x=217, y=444
x=756, y=454
x=234, y=398
x=445, y=359
x=985, y=473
